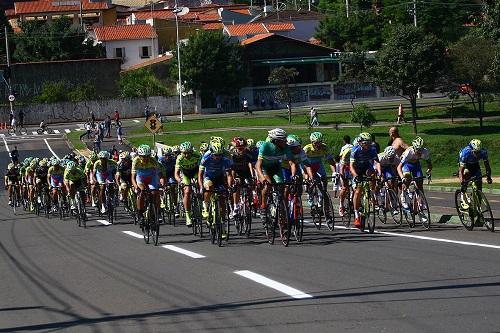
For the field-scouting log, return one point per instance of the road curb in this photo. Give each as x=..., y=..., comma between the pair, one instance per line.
x=453, y=189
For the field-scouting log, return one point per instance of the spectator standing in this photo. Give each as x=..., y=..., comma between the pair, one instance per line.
x=92, y=117
x=14, y=155
x=146, y=112
x=97, y=143
x=314, y=117
x=401, y=113
x=116, y=117
x=21, y=118
x=107, y=126
x=88, y=128
x=119, y=133
x=245, y=106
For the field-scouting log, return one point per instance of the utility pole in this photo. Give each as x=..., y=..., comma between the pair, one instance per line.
x=347, y=8
x=414, y=13
x=309, y=2
x=8, y=68
x=152, y=35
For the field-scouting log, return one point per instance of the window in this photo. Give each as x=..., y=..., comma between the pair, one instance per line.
x=120, y=52
x=145, y=51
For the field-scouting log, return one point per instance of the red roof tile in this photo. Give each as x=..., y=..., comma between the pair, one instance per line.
x=10, y=13
x=158, y=14
x=280, y=26
x=213, y=26
x=241, y=11
x=255, y=38
x=48, y=6
x=208, y=17
x=124, y=32
x=246, y=29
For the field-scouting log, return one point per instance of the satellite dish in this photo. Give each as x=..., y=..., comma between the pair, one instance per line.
x=181, y=11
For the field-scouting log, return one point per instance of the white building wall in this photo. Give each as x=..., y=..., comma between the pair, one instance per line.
x=132, y=50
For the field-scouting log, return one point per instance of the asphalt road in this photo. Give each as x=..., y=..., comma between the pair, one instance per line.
x=58, y=277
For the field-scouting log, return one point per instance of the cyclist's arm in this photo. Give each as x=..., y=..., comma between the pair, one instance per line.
x=293, y=168
x=134, y=183
x=250, y=167
x=378, y=167
x=177, y=175
x=400, y=170
x=258, y=168
x=429, y=166
x=487, y=168
x=200, y=177
x=353, y=169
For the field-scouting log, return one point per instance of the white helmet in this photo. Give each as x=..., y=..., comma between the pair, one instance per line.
x=277, y=134
x=389, y=151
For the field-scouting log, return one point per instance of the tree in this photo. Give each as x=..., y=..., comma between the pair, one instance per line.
x=210, y=63
x=362, y=115
x=82, y=92
x=409, y=61
x=283, y=77
x=140, y=83
x=490, y=23
x=355, y=71
x=4, y=23
x=473, y=68
x=53, y=40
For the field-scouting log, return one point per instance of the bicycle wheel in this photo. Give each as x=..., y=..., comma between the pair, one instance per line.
x=60, y=206
x=14, y=199
x=393, y=206
x=346, y=218
x=155, y=225
x=284, y=224
x=465, y=215
x=408, y=213
x=422, y=209
x=269, y=222
x=382, y=199
x=371, y=217
x=218, y=222
x=328, y=211
x=485, y=212
x=298, y=220
x=212, y=223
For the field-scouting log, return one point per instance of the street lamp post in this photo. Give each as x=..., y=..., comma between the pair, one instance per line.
x=176, y=12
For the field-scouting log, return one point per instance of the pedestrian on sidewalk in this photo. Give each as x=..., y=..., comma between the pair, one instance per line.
x=245, y=107
x=107, y=126
x=97, y=143
x=88, y=129
x=314, y=117
x=146, y=112
x=119, y=133
x=401, y=114
x=92, y=117
x=116, y=117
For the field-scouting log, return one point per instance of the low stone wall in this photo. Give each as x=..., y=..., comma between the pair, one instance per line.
x=128, y=108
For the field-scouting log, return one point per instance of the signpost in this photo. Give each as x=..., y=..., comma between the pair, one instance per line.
x=153, y=124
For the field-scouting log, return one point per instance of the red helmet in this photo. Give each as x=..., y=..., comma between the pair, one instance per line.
x=238, y=142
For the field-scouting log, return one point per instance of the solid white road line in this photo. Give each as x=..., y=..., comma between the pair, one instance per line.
x=67, y=130
x=183, y=251
x=493, y=200
x=57, y=131
x=295, y=293
x=48, y=146
x=136, y=121
x=6, y=145
x=439, y=198
x=133, y=234
x=103, y=222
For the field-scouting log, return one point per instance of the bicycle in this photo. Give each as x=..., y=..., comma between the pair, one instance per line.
x=387, y=199
x=131, y=203
x=81, y=211
x=367, y=209
x=111, y=199
x=19, y=129
x=296, y=210
x=61, y=209
x=150, y=226
x=216, y=225
x=15, y=197
x=276, y=214
x=476, y=210
x=348, y=207
x=243, y=221
x=168, y=204
x=417, y=204
x=321, y=203
x=45, y=130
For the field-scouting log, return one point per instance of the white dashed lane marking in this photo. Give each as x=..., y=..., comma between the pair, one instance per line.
x=292, y=292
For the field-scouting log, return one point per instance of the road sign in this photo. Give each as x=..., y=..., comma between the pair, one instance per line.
x=153, y=124
x=12, y=98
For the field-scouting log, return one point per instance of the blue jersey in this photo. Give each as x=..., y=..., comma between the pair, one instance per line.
x=467, y=157
x=360, y=156
x=168, y=165
x=213, y=168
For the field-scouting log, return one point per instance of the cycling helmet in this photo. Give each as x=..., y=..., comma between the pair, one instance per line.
x=316, y=137
x=216, y=148
x=93, y=156
x=176, y=149
x=186, y=147
x=418, y=143
x=103, y=154
x=238, y=142
x=259, y=144
x=144, y=150
x=250, y=143
x=364, y=137
x=219, y=139
x=124, y=155
x=475, y=144
x=133, y=154
x=389, y=151
x=277, y=134
x=43, y=162
x=293, y=140
x=204, y=147
x=153, y=154
x=62, y=163
x=10, y=166
x=70, y=165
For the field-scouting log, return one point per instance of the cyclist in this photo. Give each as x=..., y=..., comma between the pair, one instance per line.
x=14, y=155
x=215, y=172
x=396, y=141
x=469, y=158
x=344, y=172
x=271, y=154
x=41, y=175
x=186, y=168
x=363, y=155
x=167, y=165
x=55, y=177
x=252, y=148
x=103, y=172
x=74, y=179
x=410, y=166
x=89, y=169
x=299, y=157
x=12, y=178
x=29, y=179
x=204, y=147
x=124, y=174
x=389, y=162
x=242, y=169
x=145, y=173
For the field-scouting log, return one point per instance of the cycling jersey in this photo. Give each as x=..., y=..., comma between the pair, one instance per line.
x=240, y=163
x=103, y=172
x=345, y=153
x=124, y=170
x=74, y=175
x=213, y=168
x=146, y=171
x=316, y=157
x=41, y=172
x=411, y=162
x=363, y=159
x=271, y=155
x=89, y=166
x=168, y=166
x=56, y=176
x=466, y=156
x=187, y=163
x=12, y=176
x=387, y=166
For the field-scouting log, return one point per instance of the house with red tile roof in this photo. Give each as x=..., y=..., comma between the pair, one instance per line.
x=305, y=22
x=133, y=44
x=243, y=31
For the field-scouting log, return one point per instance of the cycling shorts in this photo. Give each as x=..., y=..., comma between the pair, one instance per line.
x=187, y=175
x=319, y=169
x=274, y=173
x=388, y=172
x=412, y=169
x=473, y=170
x=242, y=175
x=213, y=181
x=56, y=180
x=103, y=176
x=148, y=178
x=363, y=169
